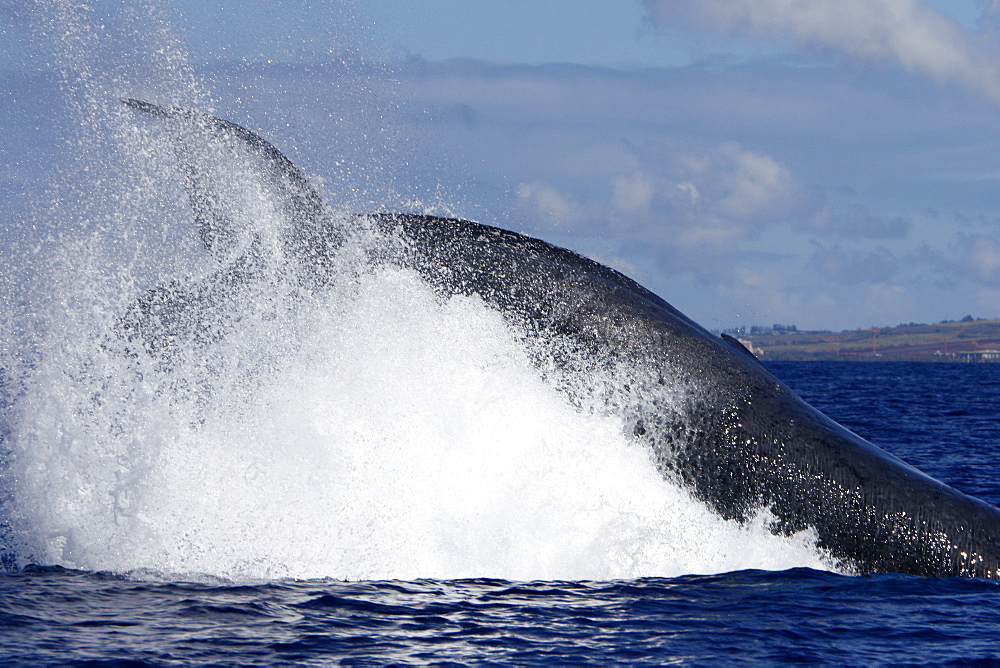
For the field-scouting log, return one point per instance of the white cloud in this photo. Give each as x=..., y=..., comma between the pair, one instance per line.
x=907, y=32
x=757, y=184
x=691, y=190
x=547, y=202
x=632, y=193
x=718, y=194
x=710, y=196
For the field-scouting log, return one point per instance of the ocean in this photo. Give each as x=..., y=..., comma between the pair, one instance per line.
x=939, y=417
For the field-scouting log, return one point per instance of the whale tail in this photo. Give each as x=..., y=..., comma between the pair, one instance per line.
x=243, y=191
x=256, y=213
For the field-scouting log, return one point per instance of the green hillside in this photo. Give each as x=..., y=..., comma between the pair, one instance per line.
x=966, y=340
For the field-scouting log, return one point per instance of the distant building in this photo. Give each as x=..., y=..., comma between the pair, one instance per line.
x=979, y=356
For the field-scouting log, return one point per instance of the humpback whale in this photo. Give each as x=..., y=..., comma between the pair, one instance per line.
x=714, y=418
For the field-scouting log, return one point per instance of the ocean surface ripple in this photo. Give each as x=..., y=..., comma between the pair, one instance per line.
x=51, y=615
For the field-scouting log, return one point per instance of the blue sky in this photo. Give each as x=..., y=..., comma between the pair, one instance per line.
x=827, y=163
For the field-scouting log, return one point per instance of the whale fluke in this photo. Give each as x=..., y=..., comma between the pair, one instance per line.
x=220, y=160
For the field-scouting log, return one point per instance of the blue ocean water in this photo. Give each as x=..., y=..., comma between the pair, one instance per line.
x=940, y=417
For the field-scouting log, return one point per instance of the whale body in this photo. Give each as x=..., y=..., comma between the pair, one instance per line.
x=716, y=420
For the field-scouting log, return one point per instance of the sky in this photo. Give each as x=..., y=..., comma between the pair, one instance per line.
x=831, y=164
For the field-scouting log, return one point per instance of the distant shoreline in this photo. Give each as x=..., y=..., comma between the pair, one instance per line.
x=967, y=340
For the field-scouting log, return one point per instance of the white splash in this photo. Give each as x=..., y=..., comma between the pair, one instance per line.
x=376, y=433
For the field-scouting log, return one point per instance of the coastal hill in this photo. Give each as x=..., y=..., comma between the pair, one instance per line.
x=966, y=340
